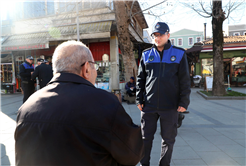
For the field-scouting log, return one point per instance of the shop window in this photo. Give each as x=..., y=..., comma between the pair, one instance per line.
x=6, y=72
x=198, y=39
x=172, y=41
x=207, y=67
x=180, y=42
x=239, y=67
x=190, y=41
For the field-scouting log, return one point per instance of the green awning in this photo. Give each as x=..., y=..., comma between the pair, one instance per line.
x=226, y=54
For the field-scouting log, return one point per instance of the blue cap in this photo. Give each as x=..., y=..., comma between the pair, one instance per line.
x=29, y=57
x=132, y=78
x=160, y=27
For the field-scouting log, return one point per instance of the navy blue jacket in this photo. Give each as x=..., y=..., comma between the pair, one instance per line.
x=163, y=84
x=70, y=122
x=25, y=73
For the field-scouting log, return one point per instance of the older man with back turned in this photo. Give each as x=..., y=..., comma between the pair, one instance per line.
x=70, y=122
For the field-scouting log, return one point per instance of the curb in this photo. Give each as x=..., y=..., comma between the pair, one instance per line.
x=220, y=97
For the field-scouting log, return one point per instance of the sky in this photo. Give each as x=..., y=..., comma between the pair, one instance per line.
x=178, y=17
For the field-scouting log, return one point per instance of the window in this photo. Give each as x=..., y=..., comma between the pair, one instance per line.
x=50, y=7
x=34, y=9
x=236, y=34
x=198, y=39
x=66, y=6
x=172, y=41
x=180, y=42
x=190, y=41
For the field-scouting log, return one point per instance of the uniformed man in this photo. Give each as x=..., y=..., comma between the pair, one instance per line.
x=27, y=84
x=163, y=90
x=43, y=72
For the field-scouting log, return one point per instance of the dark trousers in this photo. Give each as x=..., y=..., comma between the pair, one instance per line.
x=28, y=90
x=168, y=122
x=131, y=92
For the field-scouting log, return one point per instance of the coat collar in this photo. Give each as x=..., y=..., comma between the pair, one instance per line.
x=69, y=77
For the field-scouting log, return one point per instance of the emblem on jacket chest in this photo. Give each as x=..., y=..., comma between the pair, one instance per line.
x=151, y=58
x=173, y=58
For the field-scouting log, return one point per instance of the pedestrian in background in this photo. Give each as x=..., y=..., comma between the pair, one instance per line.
x=163, y=89
x=71, y=122
x=27, y=84
x=43, y=72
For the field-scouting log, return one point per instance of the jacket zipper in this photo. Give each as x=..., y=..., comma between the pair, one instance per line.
x=158, y=101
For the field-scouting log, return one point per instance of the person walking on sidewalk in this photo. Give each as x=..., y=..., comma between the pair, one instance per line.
x=43, y=72
x=27, y=84
x=163, y=90
x=71, y=122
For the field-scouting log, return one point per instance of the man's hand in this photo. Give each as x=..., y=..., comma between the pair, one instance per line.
x=181, y=109
x=140, y=107
x=31, y=73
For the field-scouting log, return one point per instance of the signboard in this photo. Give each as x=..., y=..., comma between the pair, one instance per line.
x=209, y=83
x=26, y=47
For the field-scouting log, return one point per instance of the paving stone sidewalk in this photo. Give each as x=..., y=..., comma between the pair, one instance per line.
x=213, y=134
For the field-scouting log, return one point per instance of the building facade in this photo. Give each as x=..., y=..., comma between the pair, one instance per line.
x=237, y=30
x=38, y=27
x=185, y=38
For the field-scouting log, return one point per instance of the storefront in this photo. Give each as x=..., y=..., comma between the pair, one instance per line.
x=234, y=54
x=8, y=81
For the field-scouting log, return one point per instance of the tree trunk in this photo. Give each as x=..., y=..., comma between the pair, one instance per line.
x=126, y=47
x=218, y=42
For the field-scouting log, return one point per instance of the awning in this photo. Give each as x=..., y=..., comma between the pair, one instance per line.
x=66, y=32
x=87, y=31
x=26, y=42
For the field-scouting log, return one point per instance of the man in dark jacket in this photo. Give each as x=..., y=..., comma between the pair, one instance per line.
x=70, y=122
x=27, y=84
x=43, y=72
x=163, y=89
x=131, y=87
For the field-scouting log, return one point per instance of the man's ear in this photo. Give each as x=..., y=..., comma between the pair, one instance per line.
x=168, y=35
x=85, y=71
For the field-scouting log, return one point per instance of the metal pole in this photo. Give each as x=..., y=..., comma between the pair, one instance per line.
x=77, y=12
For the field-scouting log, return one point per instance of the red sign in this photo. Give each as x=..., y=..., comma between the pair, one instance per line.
x=40, y=46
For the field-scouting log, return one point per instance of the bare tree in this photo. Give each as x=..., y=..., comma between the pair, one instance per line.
x=218, y=15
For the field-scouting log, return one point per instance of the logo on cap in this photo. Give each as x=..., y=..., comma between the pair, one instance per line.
x=173, y=58
x=157, y=26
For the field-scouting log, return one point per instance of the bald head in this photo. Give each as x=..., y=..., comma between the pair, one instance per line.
x=69, y=56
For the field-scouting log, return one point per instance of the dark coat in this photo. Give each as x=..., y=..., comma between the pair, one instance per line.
x=25, y=73
x=70, y=122
x=44, y=73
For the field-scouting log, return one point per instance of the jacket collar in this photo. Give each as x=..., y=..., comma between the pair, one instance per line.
x=27, y=63
x=166, y=46
x=69, y=77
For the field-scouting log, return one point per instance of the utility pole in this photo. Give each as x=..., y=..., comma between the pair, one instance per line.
x=77, y=12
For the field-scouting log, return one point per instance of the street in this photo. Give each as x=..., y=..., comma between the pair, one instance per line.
x=213, y=133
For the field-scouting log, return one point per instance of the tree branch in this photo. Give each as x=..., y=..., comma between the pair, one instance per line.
x=149, y=8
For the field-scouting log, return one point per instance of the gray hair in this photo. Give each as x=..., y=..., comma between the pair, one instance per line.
x=69, y=56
